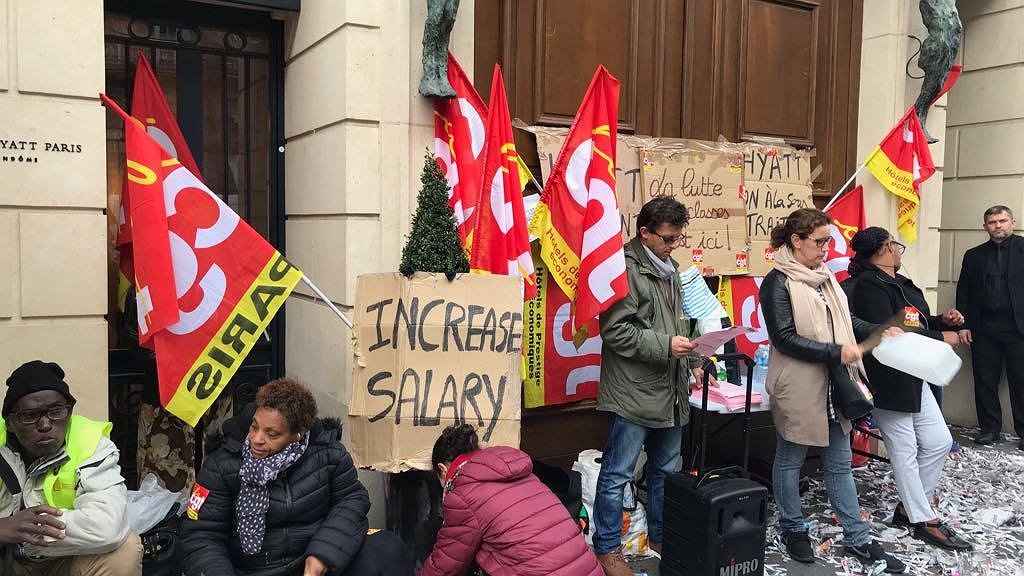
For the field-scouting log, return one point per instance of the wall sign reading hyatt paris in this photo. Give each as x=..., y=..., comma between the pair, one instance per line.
x=29, y=151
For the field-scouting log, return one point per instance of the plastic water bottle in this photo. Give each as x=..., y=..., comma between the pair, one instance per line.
x=761, y=372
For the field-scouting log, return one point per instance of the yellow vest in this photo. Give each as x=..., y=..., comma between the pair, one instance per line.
x=80, y=443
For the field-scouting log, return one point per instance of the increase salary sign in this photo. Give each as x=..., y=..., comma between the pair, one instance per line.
x=430, y=353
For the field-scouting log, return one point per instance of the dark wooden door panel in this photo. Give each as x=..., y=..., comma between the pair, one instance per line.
x=778, y=70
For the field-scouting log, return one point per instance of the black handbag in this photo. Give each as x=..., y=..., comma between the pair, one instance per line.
x=849, y=394
x=161, y=549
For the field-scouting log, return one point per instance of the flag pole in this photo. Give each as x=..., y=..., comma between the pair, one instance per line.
x=327, y=301
x=842, y=190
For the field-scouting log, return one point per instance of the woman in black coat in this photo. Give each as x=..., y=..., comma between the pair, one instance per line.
x=911, y=422
x=278, y=495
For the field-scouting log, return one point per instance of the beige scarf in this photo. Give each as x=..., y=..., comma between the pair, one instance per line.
x=809, y=311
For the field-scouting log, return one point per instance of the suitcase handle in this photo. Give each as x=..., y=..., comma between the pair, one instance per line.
x=726, y=472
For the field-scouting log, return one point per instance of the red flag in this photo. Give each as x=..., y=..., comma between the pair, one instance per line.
x=847, y=215
x=901, y=162
x=150, y=107
x=459, y=144
x=225, y=282
x=577, y=219
x=501, y=241
x=153, y=274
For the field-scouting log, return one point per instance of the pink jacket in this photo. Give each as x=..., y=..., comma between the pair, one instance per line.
x=499, y=516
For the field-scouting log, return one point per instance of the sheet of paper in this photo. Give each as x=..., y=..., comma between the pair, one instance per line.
x=708, y=343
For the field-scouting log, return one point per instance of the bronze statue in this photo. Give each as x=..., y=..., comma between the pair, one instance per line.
x=938, y=52
x=436, y=31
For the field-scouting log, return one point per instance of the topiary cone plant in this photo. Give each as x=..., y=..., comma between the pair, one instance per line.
x=433, y=244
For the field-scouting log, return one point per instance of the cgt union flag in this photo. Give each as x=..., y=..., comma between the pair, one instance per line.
x=501, y=240
x=847, y=219
x=207, y=283
x=459, y=146
x=577, y=219
x=150, y=107
x=555, y=370
x=901, y=162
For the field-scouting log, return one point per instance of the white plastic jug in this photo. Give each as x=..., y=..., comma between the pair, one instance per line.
x=933, y=361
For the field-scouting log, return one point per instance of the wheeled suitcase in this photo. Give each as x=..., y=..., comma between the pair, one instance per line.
x=714, y=524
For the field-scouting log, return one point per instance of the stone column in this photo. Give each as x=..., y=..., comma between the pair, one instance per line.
x=53, y=238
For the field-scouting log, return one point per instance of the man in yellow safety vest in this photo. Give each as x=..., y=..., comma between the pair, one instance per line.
x=63, y=501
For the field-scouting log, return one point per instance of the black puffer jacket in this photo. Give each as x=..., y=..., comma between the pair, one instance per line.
x=877, y=297
x=317, y=508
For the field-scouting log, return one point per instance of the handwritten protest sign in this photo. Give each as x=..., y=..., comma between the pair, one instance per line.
x=776, y=182
x=430, y=353
x=710, y=184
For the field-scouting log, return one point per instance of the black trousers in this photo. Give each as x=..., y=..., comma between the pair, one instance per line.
x=382, y=554
x=990, y=352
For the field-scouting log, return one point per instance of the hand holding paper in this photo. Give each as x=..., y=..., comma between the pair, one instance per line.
x=708, y=343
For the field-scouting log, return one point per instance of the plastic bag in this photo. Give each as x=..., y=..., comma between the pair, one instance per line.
x=149, y=505
x=634, y=517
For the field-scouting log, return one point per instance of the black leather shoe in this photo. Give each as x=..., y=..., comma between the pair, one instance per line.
x=1020, y=445
x=799, y=546
x=985, y=439
x=941, y=535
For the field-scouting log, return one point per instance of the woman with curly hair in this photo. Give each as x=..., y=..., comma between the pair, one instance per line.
x=278, y=495
x=499, y=517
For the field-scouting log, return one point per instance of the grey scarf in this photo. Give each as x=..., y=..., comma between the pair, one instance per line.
x=254, y=497
x=664, y=267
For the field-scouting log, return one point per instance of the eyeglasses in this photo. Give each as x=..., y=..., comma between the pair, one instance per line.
x=53, y=414
x=670, y=240
x=820, y=242
x=897, y=247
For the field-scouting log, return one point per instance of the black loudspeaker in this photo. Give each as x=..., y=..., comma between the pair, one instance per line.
x=714, y=525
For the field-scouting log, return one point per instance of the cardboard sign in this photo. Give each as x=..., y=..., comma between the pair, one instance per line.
x=778, y=164
x=776, y=182
x=430, y=353
x=769, y=204
x=627, y=171
x=710, y=185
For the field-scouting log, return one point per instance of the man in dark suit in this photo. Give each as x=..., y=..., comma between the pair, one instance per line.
x=991, y=294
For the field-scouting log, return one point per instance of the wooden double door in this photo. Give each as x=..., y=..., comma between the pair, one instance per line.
x=704, y=69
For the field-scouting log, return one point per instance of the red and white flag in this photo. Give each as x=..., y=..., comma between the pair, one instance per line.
x=459, y=136
x=501, y=240
x=207, y=284
x=150, y=107
x=577, y=219
x=847, y=215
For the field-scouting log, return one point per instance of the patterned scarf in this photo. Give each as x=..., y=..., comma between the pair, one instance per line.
x=254, y=497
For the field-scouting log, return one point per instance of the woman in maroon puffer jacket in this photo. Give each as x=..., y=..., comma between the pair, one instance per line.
x=499, y=517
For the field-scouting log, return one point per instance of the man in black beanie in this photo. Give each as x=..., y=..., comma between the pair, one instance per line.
x=63, y=502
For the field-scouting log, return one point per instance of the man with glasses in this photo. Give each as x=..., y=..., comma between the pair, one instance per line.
x=63, y=501
x=646, y=362
x=990, y=291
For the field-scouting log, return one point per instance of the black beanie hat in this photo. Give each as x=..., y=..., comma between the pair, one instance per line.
x=869, y=240
x=32, y=377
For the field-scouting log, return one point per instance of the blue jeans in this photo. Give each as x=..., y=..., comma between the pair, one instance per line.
x=625, y=439
x=842, y=492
